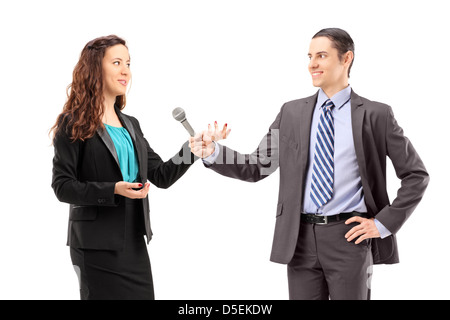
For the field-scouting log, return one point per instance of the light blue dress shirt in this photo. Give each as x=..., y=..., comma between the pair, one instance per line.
x=348, y=193
x=125, y=152
x=347, y=190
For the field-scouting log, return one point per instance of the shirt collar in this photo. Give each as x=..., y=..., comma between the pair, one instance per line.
x=339, y=99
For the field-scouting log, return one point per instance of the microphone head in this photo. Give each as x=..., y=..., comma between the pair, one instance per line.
x=179, y=114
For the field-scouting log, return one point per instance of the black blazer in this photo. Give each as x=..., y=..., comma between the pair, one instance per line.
x=85, y=174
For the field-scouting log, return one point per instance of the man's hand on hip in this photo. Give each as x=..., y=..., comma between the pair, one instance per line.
x=365, y=230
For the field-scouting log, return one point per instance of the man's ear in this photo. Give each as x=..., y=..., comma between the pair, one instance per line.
x=348, y=57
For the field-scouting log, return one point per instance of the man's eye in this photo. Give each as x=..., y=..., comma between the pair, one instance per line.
x=322, y=56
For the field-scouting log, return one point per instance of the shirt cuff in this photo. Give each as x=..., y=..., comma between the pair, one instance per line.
x=212, y=158
x=382, y=229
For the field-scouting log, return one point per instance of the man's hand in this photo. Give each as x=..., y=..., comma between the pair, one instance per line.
x=202, y=143
x=217, y=134
x=365, y=230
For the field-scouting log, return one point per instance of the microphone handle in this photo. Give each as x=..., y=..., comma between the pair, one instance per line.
x=188, y=127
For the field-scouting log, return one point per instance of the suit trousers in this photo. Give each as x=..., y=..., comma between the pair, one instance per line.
x=117, y=275
x=326, y=266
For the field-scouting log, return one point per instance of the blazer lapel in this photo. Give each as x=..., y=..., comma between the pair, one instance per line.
x=139, y=148
x=109, y=143
x=127, y=124
x=358, y=113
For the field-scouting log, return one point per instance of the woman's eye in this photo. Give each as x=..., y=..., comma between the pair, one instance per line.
x=116, y=63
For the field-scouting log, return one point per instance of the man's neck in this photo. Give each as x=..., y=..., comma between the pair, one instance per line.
x=331, y=91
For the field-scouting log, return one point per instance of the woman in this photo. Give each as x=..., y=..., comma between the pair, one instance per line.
x=101, y=166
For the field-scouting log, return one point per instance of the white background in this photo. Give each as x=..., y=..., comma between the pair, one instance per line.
x=230, y=61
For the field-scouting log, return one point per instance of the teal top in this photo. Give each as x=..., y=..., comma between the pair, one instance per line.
x=125, y=152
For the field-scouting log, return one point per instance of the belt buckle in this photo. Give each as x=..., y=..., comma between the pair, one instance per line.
x=325, y=220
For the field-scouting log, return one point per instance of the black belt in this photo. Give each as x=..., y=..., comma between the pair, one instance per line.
x=317, y=219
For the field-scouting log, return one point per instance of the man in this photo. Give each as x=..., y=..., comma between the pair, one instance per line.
x=334, y=219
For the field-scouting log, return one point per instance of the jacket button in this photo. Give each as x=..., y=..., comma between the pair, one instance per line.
x=101, y=200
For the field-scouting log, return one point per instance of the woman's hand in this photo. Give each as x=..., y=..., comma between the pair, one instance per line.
x=126, y=189
x=201, y=145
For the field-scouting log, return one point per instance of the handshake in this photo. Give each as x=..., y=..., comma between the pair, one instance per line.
x=202, y=143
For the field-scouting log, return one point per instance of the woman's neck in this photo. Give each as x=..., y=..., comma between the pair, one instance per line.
x=108, y=104
x=109, y=114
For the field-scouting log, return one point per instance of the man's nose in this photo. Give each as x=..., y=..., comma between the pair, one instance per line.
x=313, y=64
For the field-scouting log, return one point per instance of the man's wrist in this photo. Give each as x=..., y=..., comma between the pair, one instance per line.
x=213, y=156
x=382, y=230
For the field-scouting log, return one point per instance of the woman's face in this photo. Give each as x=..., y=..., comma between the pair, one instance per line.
x=116, y=70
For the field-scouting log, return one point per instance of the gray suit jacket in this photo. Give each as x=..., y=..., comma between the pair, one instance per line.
x=376, y=135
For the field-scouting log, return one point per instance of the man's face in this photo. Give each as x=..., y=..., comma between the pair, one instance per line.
x=327, y=70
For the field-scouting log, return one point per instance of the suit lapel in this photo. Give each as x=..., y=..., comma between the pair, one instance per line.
x=358, y=113
x=306, y=114
x=357, y=127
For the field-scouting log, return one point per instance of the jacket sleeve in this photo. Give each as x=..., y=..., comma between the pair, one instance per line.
x=65, y=181
x=163, y=174
x=409, y=169
x=251, y=167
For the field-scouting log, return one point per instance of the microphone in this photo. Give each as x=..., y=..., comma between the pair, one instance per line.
x=180, y=115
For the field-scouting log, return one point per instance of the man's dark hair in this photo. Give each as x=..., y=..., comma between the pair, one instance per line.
x=341, y=41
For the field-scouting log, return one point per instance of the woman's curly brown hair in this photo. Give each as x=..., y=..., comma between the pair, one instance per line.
x=82, y=113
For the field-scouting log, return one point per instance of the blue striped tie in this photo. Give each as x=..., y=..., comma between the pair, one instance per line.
x=323, y=166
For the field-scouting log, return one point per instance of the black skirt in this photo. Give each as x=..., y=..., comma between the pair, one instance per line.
x=117, y=275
